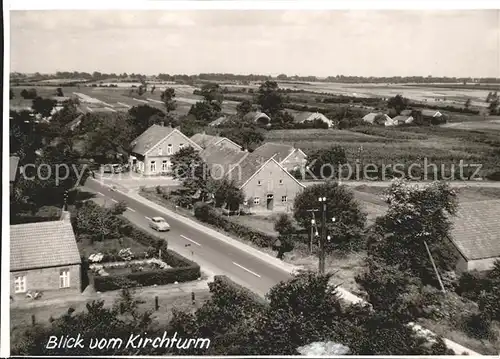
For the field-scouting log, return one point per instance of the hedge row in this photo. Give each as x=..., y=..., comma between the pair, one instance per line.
x=227, y=286
x=208, y=214
x=184, y=270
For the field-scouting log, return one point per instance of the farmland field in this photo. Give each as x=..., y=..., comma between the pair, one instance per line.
x=117, y=99
x=378, y=145
x=428, y=94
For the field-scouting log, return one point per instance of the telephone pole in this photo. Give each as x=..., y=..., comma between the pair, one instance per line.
x=313, y=224
x=322, y=240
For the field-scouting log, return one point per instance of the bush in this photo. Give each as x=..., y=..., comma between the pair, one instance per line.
x=184, y=270
x=477, y=326
x=208, y=214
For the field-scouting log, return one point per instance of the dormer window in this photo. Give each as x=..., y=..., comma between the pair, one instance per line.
x=169, y=149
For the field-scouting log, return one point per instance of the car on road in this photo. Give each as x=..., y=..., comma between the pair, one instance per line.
x=159, y=224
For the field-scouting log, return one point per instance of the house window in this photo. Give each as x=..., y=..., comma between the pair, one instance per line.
x=20, y=284
x=164, y=166
x=169, y=166
x=181, y=146
x=169, y=149
x=281, y=181
x=160, y=151
x=256, y=200
x=153, y=166
x=64, y=278
x=245, y=203
x=284, y=199
x=259, y=182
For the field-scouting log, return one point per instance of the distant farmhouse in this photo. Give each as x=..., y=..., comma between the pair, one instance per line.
x=265, y=183
x=259, y=118
x=476, y=235
x=44, y=257
x=204, y=141
x=378, y=118
x=152, y=150
x=308, y=117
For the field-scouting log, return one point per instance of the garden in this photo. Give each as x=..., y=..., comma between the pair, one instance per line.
x=102, y=237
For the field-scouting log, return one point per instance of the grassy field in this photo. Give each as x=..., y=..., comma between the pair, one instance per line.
x=380, y=145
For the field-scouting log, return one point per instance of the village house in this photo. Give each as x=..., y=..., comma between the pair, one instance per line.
x=257, y=117
x=44, y=258
x=402, y=120
x=204, y=141
x=152, y=151
x=287, y=156
x=379, y=118
x=265, y=183
x=476, y=235
x=307, y=117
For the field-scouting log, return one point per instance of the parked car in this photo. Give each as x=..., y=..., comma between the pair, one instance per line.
x=113, y=168
x=159, y=224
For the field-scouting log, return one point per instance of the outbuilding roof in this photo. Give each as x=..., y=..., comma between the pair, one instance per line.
x=42, y=244
x=476, y=229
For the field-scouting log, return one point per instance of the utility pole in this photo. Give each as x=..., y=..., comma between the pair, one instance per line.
x=313, y=224
x=322, y=240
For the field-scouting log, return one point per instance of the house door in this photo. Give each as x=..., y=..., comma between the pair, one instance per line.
x=270, y=202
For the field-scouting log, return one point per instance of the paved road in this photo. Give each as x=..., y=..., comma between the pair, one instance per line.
x=214, y=256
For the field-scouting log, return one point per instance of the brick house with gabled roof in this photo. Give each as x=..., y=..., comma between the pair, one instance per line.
x=44, y=257
x=265, y=183
x=476, y=235
x=289, y=157
x=152, y=151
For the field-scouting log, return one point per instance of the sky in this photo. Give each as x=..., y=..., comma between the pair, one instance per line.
x=269, y=42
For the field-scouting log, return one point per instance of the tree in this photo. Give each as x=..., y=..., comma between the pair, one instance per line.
x=243, y=108
x=153, y=88
x=167, y=97
x=227, y=194
x=204, y=112
x=269, y=98
x=97, y=222
x=467, y=104
x=347, y=230
x=417, y=216
x=29, y=94
x=212, y=94
x=493, y=107
x=43, y=106
x=398, y=103
x=188, y=167
x=245, y=133
x=282, y=119
x=286, y=239
x=326, y=163
x=107, y=134
x=59, y=92
x=144, y=116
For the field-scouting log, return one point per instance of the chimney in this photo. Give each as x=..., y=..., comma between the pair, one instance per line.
x=66, y=216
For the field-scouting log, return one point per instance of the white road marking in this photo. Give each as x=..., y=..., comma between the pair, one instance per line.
x=109, y=108
x=147, y=218
x=131, y=209
x=123, y=104
x=88, y=108
x=246, y=269
x=140, y=100
x=114, y=200
x=186, y=238
x=152, y=100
